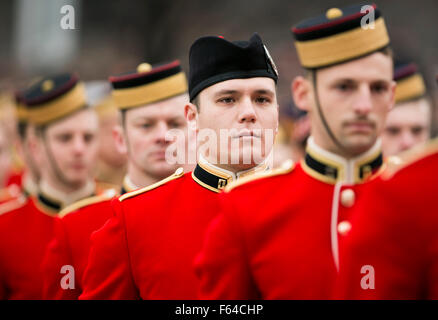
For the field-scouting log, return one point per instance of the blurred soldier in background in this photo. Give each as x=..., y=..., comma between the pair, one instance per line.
x=392, y=251
x=150, y=103
x=111, y=164
x=409, y=122
x=293, y=131
x=5, y=163
x=10, y=175
x=65, y=148
x=26, y=134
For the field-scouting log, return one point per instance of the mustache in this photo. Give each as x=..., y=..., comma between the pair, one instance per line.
x=360, y=120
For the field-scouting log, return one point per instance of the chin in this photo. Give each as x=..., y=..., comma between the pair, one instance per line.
x=162, y=169
x=77, y=183
x=360, y=145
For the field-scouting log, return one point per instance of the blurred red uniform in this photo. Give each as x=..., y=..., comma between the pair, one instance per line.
x=119, y=269
x=145, y=252
x=277, y=237
x=11, y=192
x=392, y=250
x=26, y=228
x=24, y=234
x=70, y=245
x=15, y=178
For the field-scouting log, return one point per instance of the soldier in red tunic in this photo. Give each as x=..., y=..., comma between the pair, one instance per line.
x=146, y=251
x=26, y=183
x=31, y=173
x=65, y=149
x=278, y=234
x=6, y=192
x=146, y=116
x=392, y=250
x=409, y=122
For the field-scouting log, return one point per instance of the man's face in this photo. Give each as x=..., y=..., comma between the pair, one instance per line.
x=249, y=108
x=5, y=160
x=26, y=152
x=407, y=125
x=108, y=151
x=355, y=98
x=144, y=137
x=73, y=144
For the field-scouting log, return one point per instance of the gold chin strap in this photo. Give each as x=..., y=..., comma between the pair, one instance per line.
x=322, y=117
x=52, y=160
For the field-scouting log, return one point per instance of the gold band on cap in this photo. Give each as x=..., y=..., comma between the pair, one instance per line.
x=342, y=47
x=21, y=112
x=106, y=107
x=60, y=107
x=410, y=88
x=151, y=92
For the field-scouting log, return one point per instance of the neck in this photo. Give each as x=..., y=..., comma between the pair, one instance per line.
x=110, y=174
x=66, y=196
x=140, y=179
x=29, y=182
x=236, y=169
x=333, y=167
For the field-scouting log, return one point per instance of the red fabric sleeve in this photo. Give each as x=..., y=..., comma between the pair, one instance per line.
x=108, y=274
x=58, y=254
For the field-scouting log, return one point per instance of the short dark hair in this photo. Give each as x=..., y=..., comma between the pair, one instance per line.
x=123, y=117
x=21, y=130
x=196, y=102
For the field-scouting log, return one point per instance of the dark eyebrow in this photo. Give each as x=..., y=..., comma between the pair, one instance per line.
x=349, y=80
x=149, y=118
x=265, y=91
x=222, y=92
x=177, y=118
x=259, y=91
x=344, y=80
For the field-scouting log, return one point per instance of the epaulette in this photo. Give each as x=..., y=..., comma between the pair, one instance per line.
x=178, y=173
x=9, y=193
x=106, y=195
x=12, y=204
x=396, y=163
x=285, y=168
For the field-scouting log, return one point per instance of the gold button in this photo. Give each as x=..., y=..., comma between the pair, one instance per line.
x=14, y=190
x=333, y=13
x=110, y=192
x=394, y=160
x=347, y=198
x=344, y=227
x=47, y=85
x=179, y=171
x=287, y=164
x=144, y=67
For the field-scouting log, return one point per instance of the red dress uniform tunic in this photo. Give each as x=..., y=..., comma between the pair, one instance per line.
x=70, y=244
x=9, y=193
x=147, y=250
x=277, y=236
x=16, y=188
x=15, y=178
x=25, y=233
x=395, y=231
